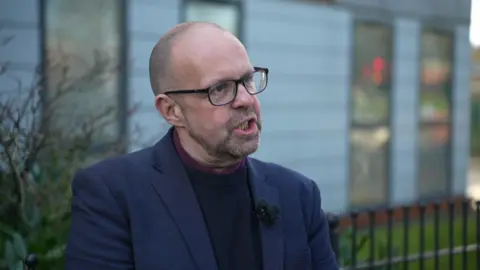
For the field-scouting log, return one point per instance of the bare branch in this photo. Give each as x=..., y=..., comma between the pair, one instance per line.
x=45, y=134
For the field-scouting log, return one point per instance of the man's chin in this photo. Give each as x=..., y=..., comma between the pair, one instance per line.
x=246, y=148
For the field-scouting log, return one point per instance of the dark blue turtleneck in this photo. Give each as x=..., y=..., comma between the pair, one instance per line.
x=226, y=202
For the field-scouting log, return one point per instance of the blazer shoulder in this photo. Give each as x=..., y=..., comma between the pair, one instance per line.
x=128, y=159
x=119, y=166
x=282, y=175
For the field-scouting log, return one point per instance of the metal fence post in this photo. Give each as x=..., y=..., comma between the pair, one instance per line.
x=333, y=225
x=31, y=261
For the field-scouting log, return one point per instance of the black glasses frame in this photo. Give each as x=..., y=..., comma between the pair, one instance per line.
x=237, y=82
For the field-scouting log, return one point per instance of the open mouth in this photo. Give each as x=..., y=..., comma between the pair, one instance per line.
x=244, y=125
x=247, y=126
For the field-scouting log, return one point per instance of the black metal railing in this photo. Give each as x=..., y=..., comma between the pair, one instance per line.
x=440, y=235
x=443, y=235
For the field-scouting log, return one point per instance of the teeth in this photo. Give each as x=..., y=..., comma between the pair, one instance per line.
x=244, y=126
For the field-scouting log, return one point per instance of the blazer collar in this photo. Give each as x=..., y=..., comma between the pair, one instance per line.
x=272, y=237
x=178, y=195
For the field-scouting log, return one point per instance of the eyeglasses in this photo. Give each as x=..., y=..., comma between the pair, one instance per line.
x=225, y=92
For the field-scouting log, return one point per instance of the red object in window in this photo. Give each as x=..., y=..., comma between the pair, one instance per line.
x=375, y=70
x=378, y=64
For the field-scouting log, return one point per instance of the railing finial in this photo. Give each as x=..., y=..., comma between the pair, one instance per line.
x=31, y=261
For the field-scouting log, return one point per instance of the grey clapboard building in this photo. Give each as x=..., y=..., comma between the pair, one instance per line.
x=370, y=98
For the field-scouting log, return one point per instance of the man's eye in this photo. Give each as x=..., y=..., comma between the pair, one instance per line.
x=220, y=87
x=248, y=79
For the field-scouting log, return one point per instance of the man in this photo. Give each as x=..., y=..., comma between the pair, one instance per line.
x=196, y=200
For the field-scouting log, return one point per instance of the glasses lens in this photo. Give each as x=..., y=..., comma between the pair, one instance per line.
x=257, y=82
x=222, y=93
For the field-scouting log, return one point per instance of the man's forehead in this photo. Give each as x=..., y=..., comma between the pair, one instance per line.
x=201, y=39
x=210, y=53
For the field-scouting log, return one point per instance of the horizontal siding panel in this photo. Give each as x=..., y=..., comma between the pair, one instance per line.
x=363, y=3
x=461, y=110
x=148, y=21
x=282, y=10
x=408, y=189
x=408, y=107
x=443, y=8
x=314, y=132
x=325, y=168
x=404, y=150
x=146, y=127
x=14, y=79
x=406, y=6
x=405, y=169
x=302, y=36
x=404, y=85
x=406, y=141
x=310, y=21
x=19, y=22
x=305, y=107
x=15, y=89
x=141, y=92
x=462, y=117
x=20, y=11
x=324, y=171
x=294, y=93
x=154, y=3
x=334, y=64
x=335, y=84
x=153, y=16
x=303, y=118
x=24, y=46
x=140, y=54
x=464, y=8
x=310, y=147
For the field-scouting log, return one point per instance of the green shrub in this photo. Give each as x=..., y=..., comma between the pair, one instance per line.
x=44, y=139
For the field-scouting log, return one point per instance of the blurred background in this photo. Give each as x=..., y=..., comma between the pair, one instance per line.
x=378, y=101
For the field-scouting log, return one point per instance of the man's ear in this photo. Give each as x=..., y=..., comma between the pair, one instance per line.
x=170, y=110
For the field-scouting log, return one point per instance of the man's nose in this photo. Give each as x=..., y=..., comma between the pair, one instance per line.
x=243, y=99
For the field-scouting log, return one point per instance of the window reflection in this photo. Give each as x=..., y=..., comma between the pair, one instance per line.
x=370, y=133
x=434, y=160
x=82, y=52
x=436, y=76
x=475, y=108
x=369, y=163
x=435, y=115
x=371, y=85
x=224, y=14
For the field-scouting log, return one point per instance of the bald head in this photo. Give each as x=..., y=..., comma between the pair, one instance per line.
x=204, y=56
x=161, y=68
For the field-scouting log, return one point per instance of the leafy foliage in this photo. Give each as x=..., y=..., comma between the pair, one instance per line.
x=44, y=140
x=363, y=240
x=346, y=246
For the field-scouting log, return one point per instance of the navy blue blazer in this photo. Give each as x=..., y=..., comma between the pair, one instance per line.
x=139, y=211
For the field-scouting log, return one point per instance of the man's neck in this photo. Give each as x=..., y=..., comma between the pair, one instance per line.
x=201, y=161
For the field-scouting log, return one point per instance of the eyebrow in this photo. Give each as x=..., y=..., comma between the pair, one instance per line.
x=232, y=79
x=248, y=72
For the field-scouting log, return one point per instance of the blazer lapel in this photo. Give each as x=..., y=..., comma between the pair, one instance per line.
x=272, y=237
x=178, y=195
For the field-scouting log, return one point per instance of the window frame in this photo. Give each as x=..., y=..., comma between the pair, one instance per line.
x=384, y=21
x=236, y=3
x=122, y=116
x=442, y=29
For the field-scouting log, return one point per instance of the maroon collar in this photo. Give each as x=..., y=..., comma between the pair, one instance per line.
x=190, y=162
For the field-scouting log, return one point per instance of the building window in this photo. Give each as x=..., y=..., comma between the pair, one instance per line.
x=370, y=130
x=475, y=109
x=83, y=52
x=224, y=13
x=435, y=113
